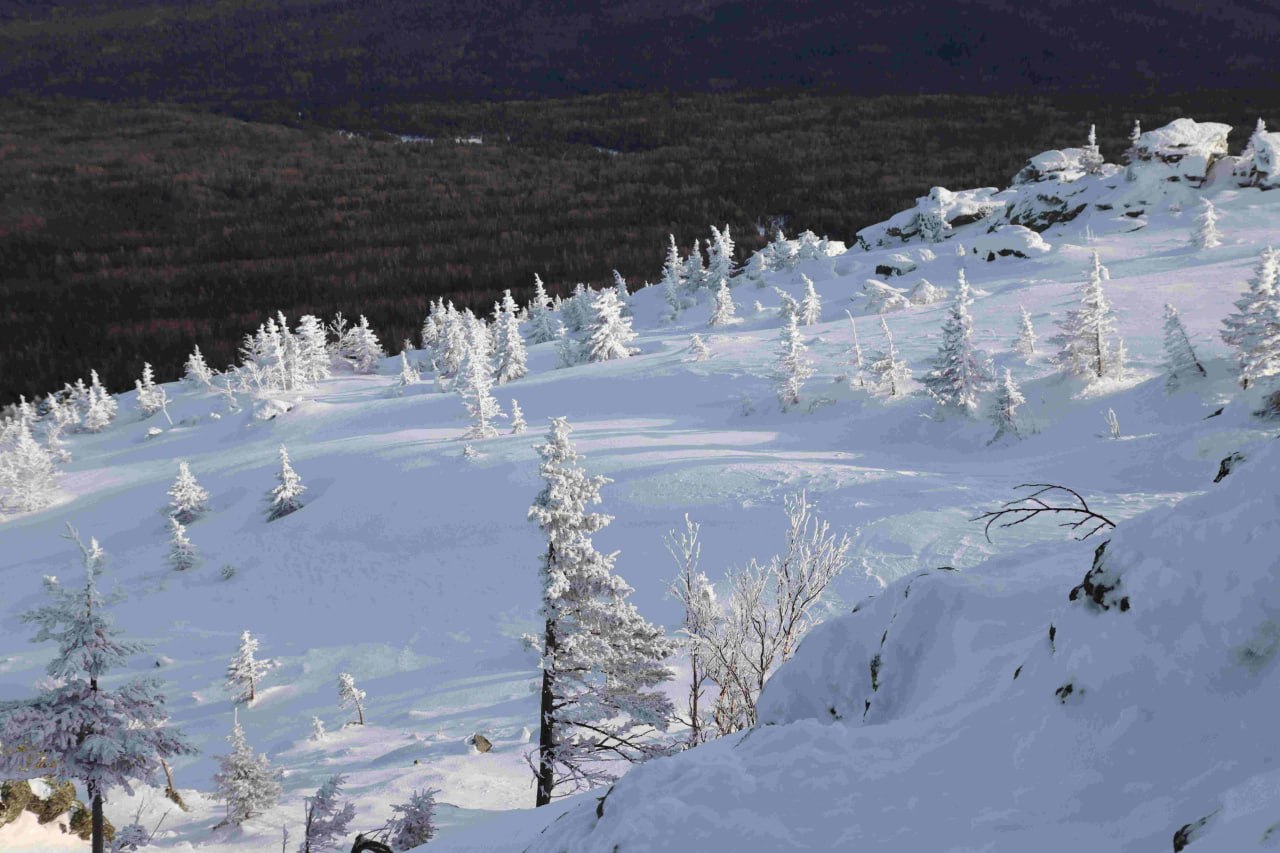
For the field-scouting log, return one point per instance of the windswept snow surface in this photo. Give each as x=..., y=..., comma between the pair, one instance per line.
x=415, y=570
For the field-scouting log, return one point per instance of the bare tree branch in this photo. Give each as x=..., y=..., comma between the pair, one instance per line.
x=1024, y=509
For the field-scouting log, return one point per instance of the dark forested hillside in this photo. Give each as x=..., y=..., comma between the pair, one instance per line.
x=129, y=233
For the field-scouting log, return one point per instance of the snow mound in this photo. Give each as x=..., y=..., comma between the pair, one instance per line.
x=1266, y=159
x=1016, y=241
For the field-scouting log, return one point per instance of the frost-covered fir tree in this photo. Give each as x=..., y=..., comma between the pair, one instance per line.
x=286, y=497
x=602, y=663
x=568, y=350
x=474, y=386
x=792, y=367
x=672, y=277
x=28, y=478
x=698, y=348
x=1131, y=154
x=723, y=312
x=187, y=498
x=1090, y=156
x=1004, y=408
x=1085, y=336
x=512, y=357
x=432, y=324
x=518, y=424
x=611, y=333
x=781, y=253
x=196, y=373
x=350, y=696
x=854, y=355
x=74, y=728
x=413, y=823
x=451, y=348
x=107, y=403
x=245, y=670
x=1025, y=345
x=182, y=554
x=576, y=310
x=542, y=321
x=810, y=305
x=1206, y=235
x=672, y=302
x=151, y=397
x=1246, y=330
x=756, y=268
x=360, y=347
x=245, y=780
x=624, y=295
x=694, y=273
x=408, y=373
x=720, y=251
x=325, y=821
x=890, y=372
x=1246, y=168
x=317, y=729
x=961, y=371
x=1180, y=362
x=312, y=349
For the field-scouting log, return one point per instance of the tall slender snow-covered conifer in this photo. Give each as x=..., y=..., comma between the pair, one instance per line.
x=960, y=371
x=1180, y=362
x=182, y=554
x=624, y=295
x=350, y=696
x=1206, y=235
x=782, y=253
x=245, y=780
x=312, y=349
x=360, y=347
x=672, y=277
x=1025, y=345
x=568, y=349
x=74, y=728
x=245, y=670
x=1246, y=330
x=810, y=305
x=1085, y=342
x=698, y=348
x=28, y=478
x=694, y=273
x=151, y=397
x=187, y=498
x=1090, y=156
x=286, y=497
x=196, y=373
x=325, y=822
x=694, y=591
x=512, y=357
x=601, y=661
x=542, y=321
x=474, y=386
x=1004, y=408
x=408, y=373
x=722, y=311
x=793, y=366
x=518, y=424
x=576, y=310
x=891, y=373
x=720, y=251
x=611, y=333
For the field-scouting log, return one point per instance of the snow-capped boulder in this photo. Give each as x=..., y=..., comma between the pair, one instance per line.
x=932, y=218
x=1052, y=165
x=1015, y=241
x=895, y=264
x=1182, y=150
x=926, y=293
x=882, y=298
x=1266, y=160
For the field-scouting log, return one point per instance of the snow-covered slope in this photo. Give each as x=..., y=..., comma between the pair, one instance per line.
x=416, y=570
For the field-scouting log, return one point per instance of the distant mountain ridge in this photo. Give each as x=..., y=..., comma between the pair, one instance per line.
x=314, y=54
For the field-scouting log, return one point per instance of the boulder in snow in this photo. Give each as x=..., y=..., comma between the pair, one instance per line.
x=933, y=217
x=882, y=298
x=1015, y=241
x=1182, y=150
x=896, y=264
x=926, y=293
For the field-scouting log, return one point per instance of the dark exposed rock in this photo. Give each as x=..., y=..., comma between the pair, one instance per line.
x=481, y=743
x=1189, y=832
x=1226, y=466
x=1099, y=587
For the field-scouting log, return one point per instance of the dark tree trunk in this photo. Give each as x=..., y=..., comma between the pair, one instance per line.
x=546, y=717
x=99, y=827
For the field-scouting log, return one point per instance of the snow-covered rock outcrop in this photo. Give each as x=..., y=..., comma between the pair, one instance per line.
x=1182, y=150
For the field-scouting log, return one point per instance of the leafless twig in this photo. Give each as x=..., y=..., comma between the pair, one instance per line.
x=1037, y=503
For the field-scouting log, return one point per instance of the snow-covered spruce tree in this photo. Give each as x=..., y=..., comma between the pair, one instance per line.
x=1206, y=235
x=196, y=373
x=1131, y=153
x=512, y=357
x=568, y=349
x=1004, y=408
x=611, y=333
x=601, y=661
x=312, y=350
x=262, y=358
x=182, y=554
x=756, y=268
x=1025, y=345
x=317, y=729
x=105, y=402
x=474, y=386
x=451, y=349
x=698, y=348
x=408, y=373
x=1246, y=169
x=891, y=374
x=1085, y=335
x=960, y=371
x=576, y=310
x=75, y=729
x=1090, y=156
x=720, y=251
x=624, y=295
x=693, y=590
x=62, y=416
x=672, y=302
x=187, y=498
x=413, y=823
x=1245, y=329
x=28, y=478
x=286, y=497
x=810, y=305
x=723, y=311
x=292, y=367
x=245, y=671
x=542, y=321
x=672, y=278
x=792, y=367
x=325, y=822
x=245, y=780
x=350, y=696
x=151, y=397
x=1180, y=362
x=854, y=355
x=360, y=347
x=694, y=273
x=782, y=254
x=518, y=424
x=432, y=324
